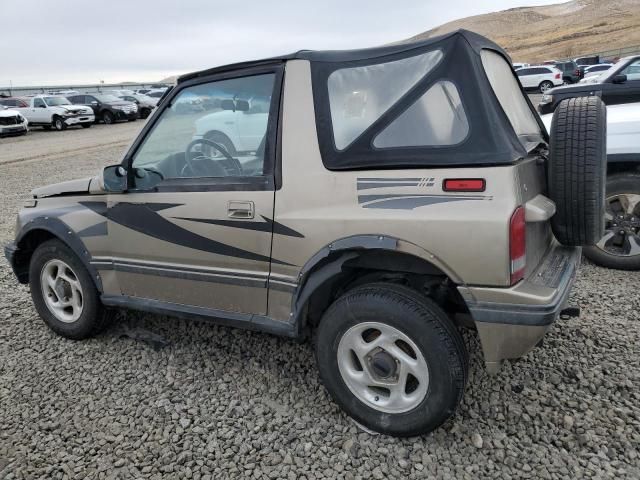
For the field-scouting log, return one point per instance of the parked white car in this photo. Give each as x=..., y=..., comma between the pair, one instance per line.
x=595, y=71
x=49, y=111
x=540, y=77
x=620, y=246
x=12, y=122
x=239, y=127
x=519, y=65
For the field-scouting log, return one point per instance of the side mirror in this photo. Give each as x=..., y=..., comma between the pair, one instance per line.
x=114, y=178
x=242, y=105
x=228, y=105
x=42, y=106
x=619, y=79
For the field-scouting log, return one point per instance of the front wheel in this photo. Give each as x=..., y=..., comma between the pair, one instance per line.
x=63, y=291
x=391, y=359
x=619, y=248
x=108, y=118
x=86, y=125
x=58, y=124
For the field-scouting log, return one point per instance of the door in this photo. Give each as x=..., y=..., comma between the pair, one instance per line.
x=195, y=228
x=40, y=112
x=625, y=92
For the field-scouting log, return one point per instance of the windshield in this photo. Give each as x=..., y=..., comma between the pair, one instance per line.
x=107, y=98
x=55, y=101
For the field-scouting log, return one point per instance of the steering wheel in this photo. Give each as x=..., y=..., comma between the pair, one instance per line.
x=227, y=166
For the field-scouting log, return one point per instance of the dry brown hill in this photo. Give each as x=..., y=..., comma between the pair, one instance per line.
x=534, y=34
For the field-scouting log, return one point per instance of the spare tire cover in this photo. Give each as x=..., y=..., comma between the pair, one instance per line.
x=577, y=170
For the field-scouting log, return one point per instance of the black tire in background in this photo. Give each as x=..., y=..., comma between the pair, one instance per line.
x=108, y=118
x=426, y=325
x=93, y=317
x=58, y=124
x=609, y=252
x=86, y=125
x=577, y=169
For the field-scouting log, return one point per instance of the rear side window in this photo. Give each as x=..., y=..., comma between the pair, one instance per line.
x=437, y=118
x=359, y=96
x=505, y=86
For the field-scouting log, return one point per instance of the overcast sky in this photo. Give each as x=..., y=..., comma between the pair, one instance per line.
x=78, y=41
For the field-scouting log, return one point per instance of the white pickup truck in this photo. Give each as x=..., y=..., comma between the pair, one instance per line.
x=52, y=111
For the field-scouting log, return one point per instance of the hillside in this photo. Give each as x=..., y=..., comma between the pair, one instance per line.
x=535, y=34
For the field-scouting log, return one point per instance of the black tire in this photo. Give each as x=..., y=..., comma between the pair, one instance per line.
x=428, y=327
x=86, y=125
x=46, y=127
x=92, y=318
x=133, y=119
x=620, y=184
x=58, y=124
x=108, y=118
x=544, y=86
x=144, y=113
x=577, y=170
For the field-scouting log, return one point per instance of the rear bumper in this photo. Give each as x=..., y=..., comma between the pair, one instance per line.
x=511, y=321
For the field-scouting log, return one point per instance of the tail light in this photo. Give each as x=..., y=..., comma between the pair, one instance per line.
x=558, y=76
x=463, y=185
x=517, y=245
x=577, y=73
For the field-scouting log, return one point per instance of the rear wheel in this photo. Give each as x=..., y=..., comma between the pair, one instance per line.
x=63, y=292
x=620, y=246
x=391, y=359
x=546, y=85
x=108, y=118
x=577, y=169
x=58, y=124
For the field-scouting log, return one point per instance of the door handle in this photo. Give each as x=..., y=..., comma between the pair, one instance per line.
x=240, y=209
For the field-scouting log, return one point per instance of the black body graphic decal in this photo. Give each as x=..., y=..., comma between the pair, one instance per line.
x=143, y=218
x=409, y=202
x=97, y=230
x=267, y=225
x=365, y=183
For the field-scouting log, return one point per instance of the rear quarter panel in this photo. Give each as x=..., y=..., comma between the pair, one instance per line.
x=466, y=235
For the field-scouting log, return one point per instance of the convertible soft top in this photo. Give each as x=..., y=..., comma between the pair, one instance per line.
x=451, y=100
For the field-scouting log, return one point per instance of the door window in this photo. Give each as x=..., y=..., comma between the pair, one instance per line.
x=38, y=103
x=632, y=71
x=215, y=129
x=437, y=118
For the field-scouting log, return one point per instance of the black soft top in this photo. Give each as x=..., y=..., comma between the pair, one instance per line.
x=490, y=140
x=475, y=41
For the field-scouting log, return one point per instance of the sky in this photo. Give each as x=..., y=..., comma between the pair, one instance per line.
x=61, y=42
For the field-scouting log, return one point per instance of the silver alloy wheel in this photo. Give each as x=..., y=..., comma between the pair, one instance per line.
x=61, y=291
x=383, y=367
x=544, y=86
x=622, y=225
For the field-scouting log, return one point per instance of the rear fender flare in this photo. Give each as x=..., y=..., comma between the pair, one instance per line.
x=314, y=274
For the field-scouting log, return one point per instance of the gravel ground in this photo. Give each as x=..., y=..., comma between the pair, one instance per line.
x=224, y=403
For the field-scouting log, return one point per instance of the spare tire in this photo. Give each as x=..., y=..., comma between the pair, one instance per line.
x=577, y=170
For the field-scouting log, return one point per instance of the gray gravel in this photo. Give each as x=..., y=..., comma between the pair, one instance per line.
x=224, y=403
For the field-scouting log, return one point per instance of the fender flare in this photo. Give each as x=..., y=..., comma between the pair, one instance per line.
x=65, y=234
x=310, y=277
